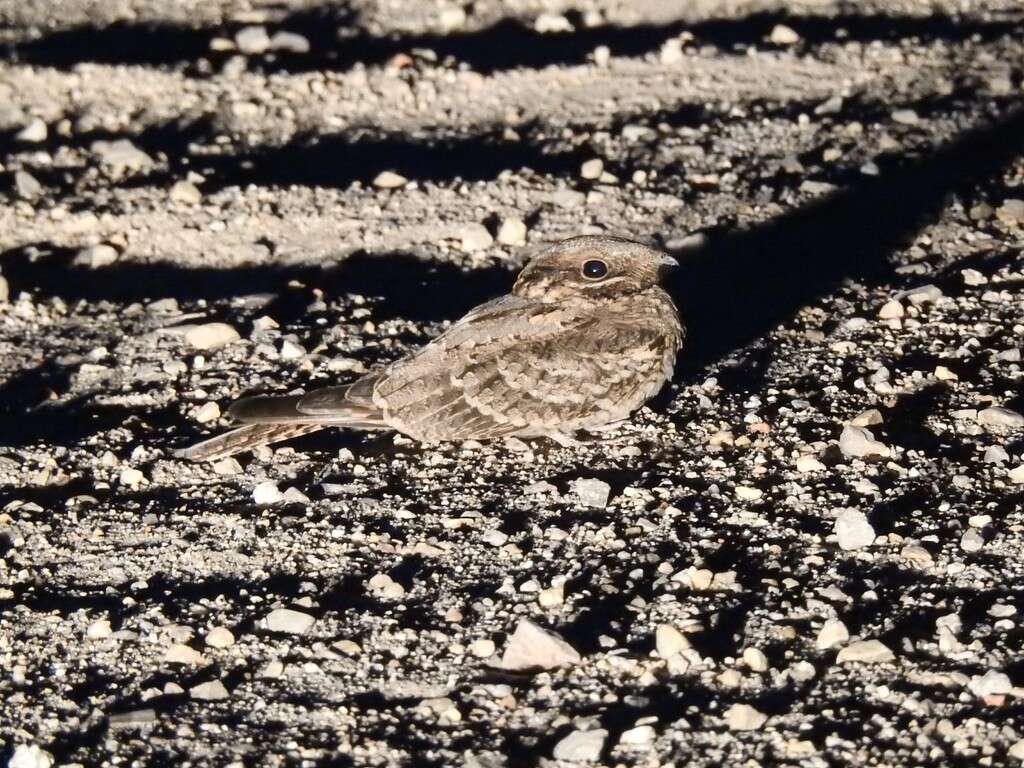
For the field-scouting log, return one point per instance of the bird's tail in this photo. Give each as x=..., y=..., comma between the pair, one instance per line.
x=246, y=438
x=269, y=419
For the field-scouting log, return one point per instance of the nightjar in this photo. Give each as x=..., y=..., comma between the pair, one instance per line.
x=586, y=336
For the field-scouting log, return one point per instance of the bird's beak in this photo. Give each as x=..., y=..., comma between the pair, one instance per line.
x=666, y=264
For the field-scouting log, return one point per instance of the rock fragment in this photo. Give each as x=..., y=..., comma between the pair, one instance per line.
x=1000, y=417
x=213, y=690
x=853, y=531
x=865, y=652
x=581, y=746
x=211, y=335
x=532, y=647
x=592, y=492
x=860, y=443
x=288, y=621
x=512, y=232
x=743, y=717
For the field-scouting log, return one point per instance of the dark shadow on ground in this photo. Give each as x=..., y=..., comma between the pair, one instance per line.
x=406, y=286
x=741, y=284
x=338, y=42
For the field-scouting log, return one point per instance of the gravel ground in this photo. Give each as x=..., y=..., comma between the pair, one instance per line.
x=809, y=550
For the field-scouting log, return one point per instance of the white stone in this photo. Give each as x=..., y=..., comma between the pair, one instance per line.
x=5, y=290
x=288, y=621
x=668, y=641
x=1016, y=475
x=755, y=659
x=1000, y=417
x=389, y=180
x=185, y=192
x=891, y=310
x=214, y=690
x=292, y=42
x=748, y=493
x=972, y=541
x=548, y=23
x=121, y=154
x=98, y=630
x=640, y=736
x=581, y=746
x=833, y=633
x=858, y=443
x=26, y=185
x=512, y=232
x=743, y=717
x=592, y=492
x=996, y=454
x=809, y=463
x=592, y=169
x=207, y=412
x=865, y=652
x=34, y=132
x=905, y=117
x=483, y=648
x=210, y=335
x=992, y=683
x=853, y=531
x=475, y=237
x=291, y=351
x=252, y=40
x=1017, y=750
x=179, y=653
x=220, y=637
x=96, y=256
x=452, y=18
x=131, y=477
x=533, y=647
x=267, y=492
x=227, y=466
x=868, y=418
x=30, y=756
x=783, y=35
x=1011, y=212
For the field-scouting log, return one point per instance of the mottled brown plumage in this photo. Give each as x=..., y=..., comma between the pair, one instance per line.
x=585, y=338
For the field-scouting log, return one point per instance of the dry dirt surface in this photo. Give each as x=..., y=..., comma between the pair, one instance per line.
x=808, y=551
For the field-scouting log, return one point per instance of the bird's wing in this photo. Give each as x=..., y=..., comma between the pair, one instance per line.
x=518, y=367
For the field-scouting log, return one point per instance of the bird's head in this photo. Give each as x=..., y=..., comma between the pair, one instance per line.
x=592, y=266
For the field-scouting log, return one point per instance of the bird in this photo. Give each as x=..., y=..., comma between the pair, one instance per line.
x=586, y=336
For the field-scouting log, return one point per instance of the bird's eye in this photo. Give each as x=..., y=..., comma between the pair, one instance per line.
x=594, y=269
